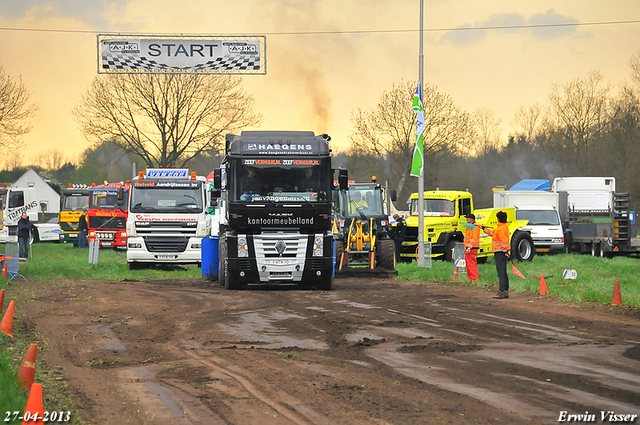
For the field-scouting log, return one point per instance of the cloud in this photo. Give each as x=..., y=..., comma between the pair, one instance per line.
x=87, y=11
x=551, y=18
x=468, y=34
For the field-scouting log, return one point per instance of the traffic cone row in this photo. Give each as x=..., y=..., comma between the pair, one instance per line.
x=34, y=411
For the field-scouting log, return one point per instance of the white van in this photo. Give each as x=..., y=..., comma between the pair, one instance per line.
x=545, y=227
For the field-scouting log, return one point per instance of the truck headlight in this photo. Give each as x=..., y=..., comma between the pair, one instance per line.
x=318, y=245
x=243, y=249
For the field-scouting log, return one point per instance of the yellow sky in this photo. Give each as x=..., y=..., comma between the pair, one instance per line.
x=315, y=82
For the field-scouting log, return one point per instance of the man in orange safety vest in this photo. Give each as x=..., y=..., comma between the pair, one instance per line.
x=500, y=247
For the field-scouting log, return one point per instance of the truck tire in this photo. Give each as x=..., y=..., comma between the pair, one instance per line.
x=326, y=284
x=386, y=254
x=448, y=250
x=522, y=248
x=568, y=242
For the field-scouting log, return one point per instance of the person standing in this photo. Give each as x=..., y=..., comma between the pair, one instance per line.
x=82, y=231
x=471, y=247
x=398, y=233
x=500, y=247
x=24, y=234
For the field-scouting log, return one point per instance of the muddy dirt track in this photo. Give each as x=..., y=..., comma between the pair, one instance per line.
x=368, y=352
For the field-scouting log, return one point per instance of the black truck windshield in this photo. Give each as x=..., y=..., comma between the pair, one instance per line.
x=281, y=180
x=166, y=198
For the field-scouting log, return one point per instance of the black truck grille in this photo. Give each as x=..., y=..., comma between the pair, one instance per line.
x=159, y=244
x=107, y=222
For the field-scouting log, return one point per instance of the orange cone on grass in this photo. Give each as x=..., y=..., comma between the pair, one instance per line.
x=34, y=407
x=455, y=273
x=7, y=321
x=1, y=299
x=4, y=269
x=543, y=286
x=617, y=298
x=28, y=370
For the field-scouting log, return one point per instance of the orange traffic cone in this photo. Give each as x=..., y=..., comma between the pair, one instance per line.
x=455, y=273
x=7, y=320
x=28, y=370
x=1, y=299
x=4, y=268
x=34, y=413
x=543, y=286
x=617, y=299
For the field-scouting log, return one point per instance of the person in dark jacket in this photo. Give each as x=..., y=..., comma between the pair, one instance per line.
x=398, y=233
x=24, y=228
x=82, y=231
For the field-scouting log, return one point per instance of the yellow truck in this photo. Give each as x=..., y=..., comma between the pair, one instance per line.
x=444, y=213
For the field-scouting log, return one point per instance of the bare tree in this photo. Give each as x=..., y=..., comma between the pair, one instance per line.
x=388, y=130
x=50, y=160
x=14, y=110
x=527, y=121
x=487, y=127
x=578, y=110
x=166, y=119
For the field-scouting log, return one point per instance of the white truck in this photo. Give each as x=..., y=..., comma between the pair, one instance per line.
x=541, y=208
x=168, y=217
x=598, y=219
x=13, y=202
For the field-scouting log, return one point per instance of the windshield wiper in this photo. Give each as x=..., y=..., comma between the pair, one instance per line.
x=141, y=207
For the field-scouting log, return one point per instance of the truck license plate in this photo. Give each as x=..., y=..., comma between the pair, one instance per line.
x=106, y=243
x=166, y=257
x=280, y=261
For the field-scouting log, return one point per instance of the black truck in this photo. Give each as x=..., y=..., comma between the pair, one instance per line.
x=275, y=204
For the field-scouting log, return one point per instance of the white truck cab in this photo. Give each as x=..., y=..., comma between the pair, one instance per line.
x=545, y=227
x=168, y=217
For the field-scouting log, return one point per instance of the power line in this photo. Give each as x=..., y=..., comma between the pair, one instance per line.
x=390, y=31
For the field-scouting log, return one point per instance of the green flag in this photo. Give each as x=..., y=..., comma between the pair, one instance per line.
x=418, y=153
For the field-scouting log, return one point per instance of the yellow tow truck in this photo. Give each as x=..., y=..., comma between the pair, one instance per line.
x=444, y=213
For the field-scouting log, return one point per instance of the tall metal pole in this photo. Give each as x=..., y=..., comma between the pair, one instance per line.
x=421, y=178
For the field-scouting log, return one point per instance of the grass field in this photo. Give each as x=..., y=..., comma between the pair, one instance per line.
x=595, y=277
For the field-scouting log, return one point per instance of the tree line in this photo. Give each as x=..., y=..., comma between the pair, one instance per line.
x=585, y=127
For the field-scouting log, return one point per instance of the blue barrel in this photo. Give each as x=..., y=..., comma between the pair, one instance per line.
x=209, y=258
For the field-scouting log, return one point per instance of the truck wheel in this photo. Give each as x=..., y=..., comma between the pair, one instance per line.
x=326, y=284
x=386, y=254
x=522, y=246
x=597, y=250
x=448, y=250
x=134, y=266
x=481, y=260
x=568, y=242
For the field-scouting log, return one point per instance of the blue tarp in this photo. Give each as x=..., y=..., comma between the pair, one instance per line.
x=531, y=184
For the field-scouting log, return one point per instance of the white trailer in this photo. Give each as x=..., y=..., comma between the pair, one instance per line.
x=541, y=208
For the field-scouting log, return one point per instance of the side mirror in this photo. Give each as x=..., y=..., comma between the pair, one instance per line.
x=343, y=179
x=120, y=197
x=217, y=180
x=393, y=195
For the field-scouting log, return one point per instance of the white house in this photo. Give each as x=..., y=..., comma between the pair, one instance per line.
x=48, y=198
